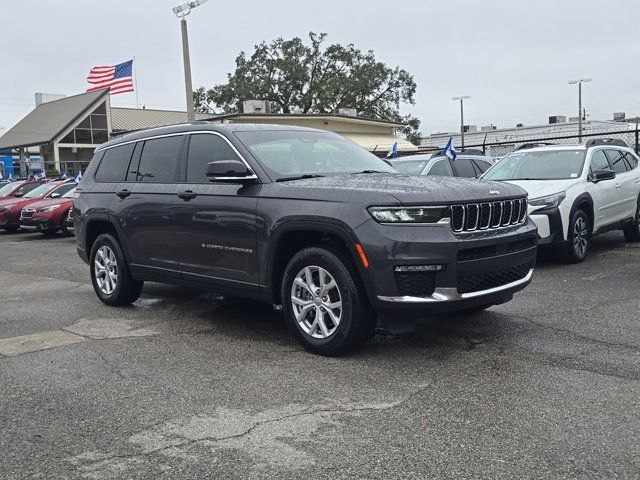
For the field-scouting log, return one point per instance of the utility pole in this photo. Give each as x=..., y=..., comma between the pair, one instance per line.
x=580, y=113
x=181, y=11
x=462, y=99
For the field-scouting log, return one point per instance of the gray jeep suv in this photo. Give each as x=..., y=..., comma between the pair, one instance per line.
x=300, y=218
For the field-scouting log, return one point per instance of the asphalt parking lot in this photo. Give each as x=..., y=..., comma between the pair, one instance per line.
x=188, y=385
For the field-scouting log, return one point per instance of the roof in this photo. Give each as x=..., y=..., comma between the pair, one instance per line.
x=48, y=120
x=131, y=119
x=299, y=116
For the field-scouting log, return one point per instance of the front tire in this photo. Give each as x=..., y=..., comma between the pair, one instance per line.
x=579, y=237
x=632, y=232
x=324, y=303
x=110, y=274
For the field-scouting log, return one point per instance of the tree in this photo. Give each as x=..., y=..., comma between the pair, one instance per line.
x=315, y=78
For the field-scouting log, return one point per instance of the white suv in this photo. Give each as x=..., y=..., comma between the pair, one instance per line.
x=577, y=191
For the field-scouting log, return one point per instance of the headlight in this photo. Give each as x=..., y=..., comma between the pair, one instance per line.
x=408, y=214
x=50, y=208
x=549, y=201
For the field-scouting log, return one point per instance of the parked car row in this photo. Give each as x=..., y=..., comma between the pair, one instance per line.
x=575, y=191
x=37, y=206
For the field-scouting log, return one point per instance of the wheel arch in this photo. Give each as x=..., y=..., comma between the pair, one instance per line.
x=584, y=202
x=291, y=237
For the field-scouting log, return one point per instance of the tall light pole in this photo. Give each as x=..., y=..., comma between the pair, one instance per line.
x=462, y=99
x=580, y=81
x=181, y=11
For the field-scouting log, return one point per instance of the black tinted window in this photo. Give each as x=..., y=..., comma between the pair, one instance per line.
x=203, y=149
x=482, y=166
x=159, y=160
x=464, y=167
x=64, y=188
x=114, y=163
x=616, y=160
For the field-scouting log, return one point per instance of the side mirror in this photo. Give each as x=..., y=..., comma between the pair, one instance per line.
x=600, y=175
x=55, y=195
x=228, y=170
x=18, y=194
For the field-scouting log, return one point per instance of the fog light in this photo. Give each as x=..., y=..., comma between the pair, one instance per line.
x=419, y=268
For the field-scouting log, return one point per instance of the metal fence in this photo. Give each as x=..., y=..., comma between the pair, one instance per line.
x=502, y=148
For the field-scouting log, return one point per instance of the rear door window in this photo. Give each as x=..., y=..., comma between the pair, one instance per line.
x=205, y=148
x=159, y=160
x=114, y=164
x=62, y=189
x=616, y=160
x=464, y=167
x=442, y=168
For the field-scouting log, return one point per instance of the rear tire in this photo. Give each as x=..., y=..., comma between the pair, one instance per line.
x=632, y=232
x=323, y=302
x=579, y=237
x=110, y=274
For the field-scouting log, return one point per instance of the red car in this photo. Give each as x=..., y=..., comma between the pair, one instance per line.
x=18, y=189
x=11, y=207
x=49, y=215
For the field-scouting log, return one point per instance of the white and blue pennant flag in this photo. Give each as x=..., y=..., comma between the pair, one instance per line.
x=78, y=177
x=450, y=151
x=393, y=151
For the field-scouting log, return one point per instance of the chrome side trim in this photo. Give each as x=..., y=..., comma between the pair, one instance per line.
x=451, y=294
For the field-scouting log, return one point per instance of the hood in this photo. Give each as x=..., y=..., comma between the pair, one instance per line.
x=542, y=188
x=410, y=189
x=50, y=201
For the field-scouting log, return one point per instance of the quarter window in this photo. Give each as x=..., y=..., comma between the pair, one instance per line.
x=442, y=168
x=616, y=160
x=205, y=148
x=114, y=164
x=159, y=160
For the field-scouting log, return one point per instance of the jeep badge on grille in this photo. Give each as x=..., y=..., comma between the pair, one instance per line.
x=494, y=192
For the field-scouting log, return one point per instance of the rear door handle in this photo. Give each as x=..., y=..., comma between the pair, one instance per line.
x=618, y=185
x=124, y=193
x=187, y=195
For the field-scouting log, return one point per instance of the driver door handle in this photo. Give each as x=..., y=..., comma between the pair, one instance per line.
x=187, y=195
x=124, y=193
x=618, y=185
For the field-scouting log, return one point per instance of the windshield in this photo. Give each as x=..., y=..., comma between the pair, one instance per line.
x=293, y=153
x=69, y=194
x=6, y=189
x=538, y=165
x=412, y=167
x=41, y=190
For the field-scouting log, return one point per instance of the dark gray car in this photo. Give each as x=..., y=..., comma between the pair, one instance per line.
x=300, y=218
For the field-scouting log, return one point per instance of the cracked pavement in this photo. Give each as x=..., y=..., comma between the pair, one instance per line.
x=185, y=384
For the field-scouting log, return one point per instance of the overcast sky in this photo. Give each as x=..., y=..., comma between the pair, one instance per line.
x=513, y=57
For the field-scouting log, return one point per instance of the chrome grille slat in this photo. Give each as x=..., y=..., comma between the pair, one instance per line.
x=471, y=217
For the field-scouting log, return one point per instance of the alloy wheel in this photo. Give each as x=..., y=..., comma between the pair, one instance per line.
x=105, y=268
x=316, y=302
x=580, y=237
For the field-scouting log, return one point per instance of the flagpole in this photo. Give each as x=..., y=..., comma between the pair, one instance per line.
x=135, y=79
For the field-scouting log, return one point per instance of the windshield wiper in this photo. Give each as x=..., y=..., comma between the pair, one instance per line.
x=299, y=177
x=369, y=171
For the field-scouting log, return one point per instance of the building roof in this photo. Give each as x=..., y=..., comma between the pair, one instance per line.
x=377, y=142
x=48, y=120
x=131, y=119
x=307, y=116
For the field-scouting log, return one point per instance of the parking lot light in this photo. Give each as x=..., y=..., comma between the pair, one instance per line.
x=580, y=81
x=462, y=99
x=181, y=11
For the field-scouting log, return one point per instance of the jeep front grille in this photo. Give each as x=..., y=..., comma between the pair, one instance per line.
x=470, y=217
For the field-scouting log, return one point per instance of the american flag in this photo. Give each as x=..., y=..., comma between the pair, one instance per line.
x=117, y=78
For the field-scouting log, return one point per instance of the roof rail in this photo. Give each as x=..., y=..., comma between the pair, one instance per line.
x=525, y=146
x=606, y=141
x=464, y=151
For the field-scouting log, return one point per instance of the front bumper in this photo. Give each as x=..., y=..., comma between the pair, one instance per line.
x=475, y=268
x=37, y=224
x=549, y=223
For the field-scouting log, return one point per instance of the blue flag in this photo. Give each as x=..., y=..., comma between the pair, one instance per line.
x=78, y=177
x=62, y=176
x=450, y=151
x=393, y=152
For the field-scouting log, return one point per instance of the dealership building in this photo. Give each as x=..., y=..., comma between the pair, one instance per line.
x=61, y=133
